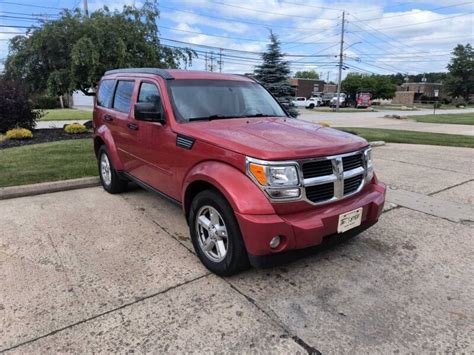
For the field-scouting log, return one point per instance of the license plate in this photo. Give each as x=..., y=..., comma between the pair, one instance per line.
x=349, y=220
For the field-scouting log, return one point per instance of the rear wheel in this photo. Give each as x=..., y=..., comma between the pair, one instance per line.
x=216, y=234
x=311, y=106
x=111, y=181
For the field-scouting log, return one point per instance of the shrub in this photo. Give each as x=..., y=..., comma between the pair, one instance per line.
x=19, y=133
x=324, y=124
x=15, y=108
x=461, y=105
x=2, y=138
x=75, y=128
x=45, y=102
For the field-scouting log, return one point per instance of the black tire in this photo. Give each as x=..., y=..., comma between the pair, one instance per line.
x=311, y=106
x=116, y=184
x=236, y=258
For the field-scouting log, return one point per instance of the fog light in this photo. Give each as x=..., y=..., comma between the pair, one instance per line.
x=275, y=242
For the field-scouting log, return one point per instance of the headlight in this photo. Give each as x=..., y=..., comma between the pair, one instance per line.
x=278, y=181
x=369, y=164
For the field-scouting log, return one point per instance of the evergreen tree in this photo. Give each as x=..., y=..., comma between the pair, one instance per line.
x=274, y=72
x=460, y=81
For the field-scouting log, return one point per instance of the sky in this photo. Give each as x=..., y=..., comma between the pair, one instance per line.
x=381, y=37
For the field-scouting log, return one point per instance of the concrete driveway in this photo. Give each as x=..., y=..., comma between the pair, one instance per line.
x=85, y=271
x=377, y=120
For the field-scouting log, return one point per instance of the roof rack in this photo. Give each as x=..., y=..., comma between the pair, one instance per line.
x=156, y=71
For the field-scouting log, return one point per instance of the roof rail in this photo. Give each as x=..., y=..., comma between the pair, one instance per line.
x=156, y=71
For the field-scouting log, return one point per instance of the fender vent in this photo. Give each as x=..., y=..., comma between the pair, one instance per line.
x=184, y=142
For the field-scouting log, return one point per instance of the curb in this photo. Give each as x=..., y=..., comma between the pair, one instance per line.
x=47, y=187
x=377, y=143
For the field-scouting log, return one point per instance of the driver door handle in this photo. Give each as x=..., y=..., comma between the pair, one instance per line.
x=132, y=126
x=108, y=118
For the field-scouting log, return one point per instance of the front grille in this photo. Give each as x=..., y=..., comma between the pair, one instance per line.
x=319, y=193
x=352, y=184
x=330, y=172
x=317, y=168
x=352, y=162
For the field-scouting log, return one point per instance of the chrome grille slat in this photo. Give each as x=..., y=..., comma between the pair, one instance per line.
x=333, y=178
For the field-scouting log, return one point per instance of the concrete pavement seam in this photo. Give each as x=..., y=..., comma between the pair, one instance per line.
x=137, y=300
x=309, y=349
x=423, y=166
x=450, y=187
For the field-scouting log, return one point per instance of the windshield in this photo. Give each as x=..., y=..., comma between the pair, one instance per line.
x=220, y=99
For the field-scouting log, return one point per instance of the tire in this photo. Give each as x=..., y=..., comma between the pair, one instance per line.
x=110, y=180
x=223, y=256
x=311, y=106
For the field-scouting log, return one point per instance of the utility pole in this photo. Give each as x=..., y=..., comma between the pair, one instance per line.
x=341, y=60
x=86, y=9
x=205, y=61
x=220, y=60
x=211, y=66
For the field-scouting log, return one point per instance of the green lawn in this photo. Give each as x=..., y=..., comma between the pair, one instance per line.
x=399, y=136
x=453, y=118
x=66, y=114
x=47, y=162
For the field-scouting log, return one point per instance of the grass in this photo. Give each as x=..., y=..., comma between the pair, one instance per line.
x=47, y=162
x=66, y=114
x=412, y=137
x=453, y=118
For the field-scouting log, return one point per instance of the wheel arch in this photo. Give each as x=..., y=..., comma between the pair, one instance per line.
x=243, y=194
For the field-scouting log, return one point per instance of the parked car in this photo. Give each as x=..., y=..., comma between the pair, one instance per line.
x=342, y=100
x=306, y=103
x=252, y=182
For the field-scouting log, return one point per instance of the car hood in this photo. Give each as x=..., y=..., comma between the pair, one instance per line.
x=273, y=138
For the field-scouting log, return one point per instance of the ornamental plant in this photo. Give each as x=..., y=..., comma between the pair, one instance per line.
x=75, y=128
x=19, y=133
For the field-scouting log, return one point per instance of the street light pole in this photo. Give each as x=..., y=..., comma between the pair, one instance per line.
x=341, y=59
x=86, y=8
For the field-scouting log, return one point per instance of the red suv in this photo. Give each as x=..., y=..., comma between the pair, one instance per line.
x=251, y=180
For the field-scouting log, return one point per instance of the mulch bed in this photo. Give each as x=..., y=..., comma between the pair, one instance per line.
x=44, y=136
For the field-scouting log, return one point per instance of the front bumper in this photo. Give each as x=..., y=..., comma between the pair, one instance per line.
x=308, y=228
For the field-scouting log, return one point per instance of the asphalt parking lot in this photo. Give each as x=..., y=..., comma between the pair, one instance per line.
x=85, y=271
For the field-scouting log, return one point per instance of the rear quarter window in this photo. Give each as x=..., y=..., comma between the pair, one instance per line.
x=106, y=91
x=123, y=96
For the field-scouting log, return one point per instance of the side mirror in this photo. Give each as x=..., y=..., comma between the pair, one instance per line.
x=149, y=111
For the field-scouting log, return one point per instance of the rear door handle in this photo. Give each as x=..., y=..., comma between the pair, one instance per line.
x=108, y=118
x=132, y=126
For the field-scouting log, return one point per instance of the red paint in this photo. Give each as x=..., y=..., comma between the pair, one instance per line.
x=218, y=158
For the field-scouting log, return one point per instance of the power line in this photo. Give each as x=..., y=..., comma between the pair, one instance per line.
x=227, y=37
x=237, y=50
x=264, y=12
x=413, y=13
x=236, y=20
x=423, y=22
x=33, y=5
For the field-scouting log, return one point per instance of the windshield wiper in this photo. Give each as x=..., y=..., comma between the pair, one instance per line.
x=211, y=117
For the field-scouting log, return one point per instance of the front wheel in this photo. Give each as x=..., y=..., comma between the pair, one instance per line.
x=216, y=234
x=110, y=180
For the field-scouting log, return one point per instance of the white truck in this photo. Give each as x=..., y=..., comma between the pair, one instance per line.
x=307, y=103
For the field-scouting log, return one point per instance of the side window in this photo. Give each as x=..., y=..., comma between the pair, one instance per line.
x=106, y=90
x=149, y=93
x=123, y=96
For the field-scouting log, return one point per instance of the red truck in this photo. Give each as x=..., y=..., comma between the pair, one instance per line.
x=252, y=181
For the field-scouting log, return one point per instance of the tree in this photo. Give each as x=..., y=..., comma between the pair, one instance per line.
x=274, y=72
x=73, y=52
x=460, y=79
x=307, y=74
x=380, y=86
